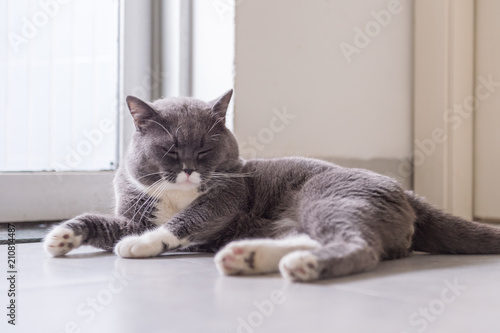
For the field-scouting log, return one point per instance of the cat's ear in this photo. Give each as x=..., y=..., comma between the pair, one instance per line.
x=140, y=111
x=219, y=105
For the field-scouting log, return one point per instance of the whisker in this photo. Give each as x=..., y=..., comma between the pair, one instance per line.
x=223, y=181
x=154, y=121
x=145, y=192
x=151, y=174
x=145, y=203
x=140, y=196
x=233, y=175
x=150, y=201
x=168, y=151
x=154, y=200
x=177, y=130
x=215, y=124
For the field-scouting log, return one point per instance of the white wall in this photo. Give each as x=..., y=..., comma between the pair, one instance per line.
x=213, y=50
x=288, y=55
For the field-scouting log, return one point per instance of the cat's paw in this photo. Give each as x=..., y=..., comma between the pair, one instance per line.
x=236, y=258
x=60, y=241
x=138, y=247
x=299, y=266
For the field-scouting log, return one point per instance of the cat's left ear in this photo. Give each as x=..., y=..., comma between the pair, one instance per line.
x=219, y=105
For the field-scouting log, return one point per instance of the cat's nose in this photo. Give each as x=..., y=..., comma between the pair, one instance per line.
x=188, y=171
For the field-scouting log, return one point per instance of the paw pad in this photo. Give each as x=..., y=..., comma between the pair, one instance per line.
x=60, y=241
x=234, y=260
x=300, y=266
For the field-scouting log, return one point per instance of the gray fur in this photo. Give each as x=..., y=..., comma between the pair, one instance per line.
x=359, y=217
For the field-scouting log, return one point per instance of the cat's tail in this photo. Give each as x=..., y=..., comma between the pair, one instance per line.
x=439, y=232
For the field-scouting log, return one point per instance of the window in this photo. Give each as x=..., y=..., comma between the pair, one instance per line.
x=59, y=85
x=65, y=69
x=59, y=89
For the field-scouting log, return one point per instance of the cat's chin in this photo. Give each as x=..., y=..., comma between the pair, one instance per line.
x=186, y=186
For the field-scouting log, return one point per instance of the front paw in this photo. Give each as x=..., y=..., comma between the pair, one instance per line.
x=138, y=247
x=61, y=240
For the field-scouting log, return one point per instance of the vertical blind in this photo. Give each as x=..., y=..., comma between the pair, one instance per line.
x=58, y=84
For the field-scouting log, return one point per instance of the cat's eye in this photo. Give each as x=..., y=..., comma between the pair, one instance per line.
x=171, y=154
x=203, y=153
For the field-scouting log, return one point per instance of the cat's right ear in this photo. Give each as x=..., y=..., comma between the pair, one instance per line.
x=219, y=106
x=140, y=111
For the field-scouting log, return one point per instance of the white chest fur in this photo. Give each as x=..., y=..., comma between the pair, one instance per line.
x=171, y=202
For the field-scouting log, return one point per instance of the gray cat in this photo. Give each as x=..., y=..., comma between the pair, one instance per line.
x=183, y=186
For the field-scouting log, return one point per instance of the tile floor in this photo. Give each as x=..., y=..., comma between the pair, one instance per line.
x=93, y=291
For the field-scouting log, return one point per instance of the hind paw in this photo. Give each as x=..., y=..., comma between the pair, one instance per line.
x=236, y=259
x=299, y=266
x=60, y=241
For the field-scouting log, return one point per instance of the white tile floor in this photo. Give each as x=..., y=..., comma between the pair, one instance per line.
x=92, y=291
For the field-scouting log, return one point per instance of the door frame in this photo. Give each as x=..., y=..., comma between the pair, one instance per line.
x=443, y=82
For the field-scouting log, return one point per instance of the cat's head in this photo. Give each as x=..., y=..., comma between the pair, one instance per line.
x=180, y=142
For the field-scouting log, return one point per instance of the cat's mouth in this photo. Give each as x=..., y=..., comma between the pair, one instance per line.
x=191, y=180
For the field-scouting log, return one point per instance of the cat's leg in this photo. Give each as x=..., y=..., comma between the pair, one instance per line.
x=338, y=258
x=101, y=231
x=350, y=241
x=258, y=256
x=358, y=217
x=149, y=244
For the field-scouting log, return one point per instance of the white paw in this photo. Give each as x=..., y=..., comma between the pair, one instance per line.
x=236, y=258
x=60, y=241
x=138, y=247
x=149, y=244
x=299, y=266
